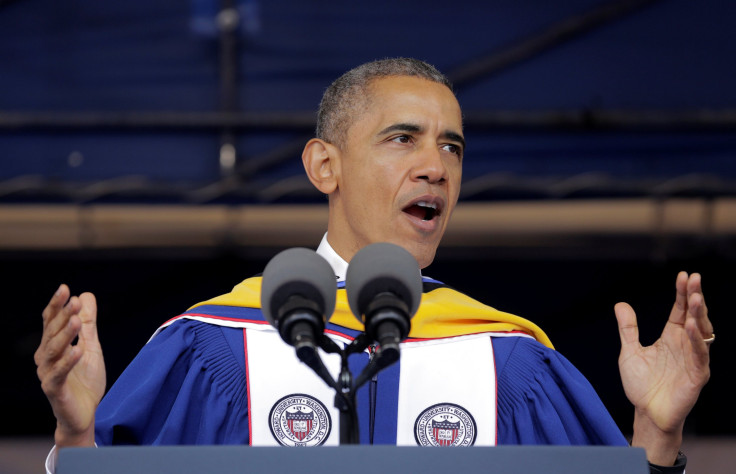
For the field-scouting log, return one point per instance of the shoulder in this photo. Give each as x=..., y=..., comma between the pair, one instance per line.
x=521, y=353
x=543, y=399
x=525, y=364
x=187, y=340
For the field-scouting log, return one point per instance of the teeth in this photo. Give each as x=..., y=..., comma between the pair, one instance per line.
x=426, y=204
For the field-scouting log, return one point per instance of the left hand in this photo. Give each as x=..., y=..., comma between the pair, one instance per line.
x=664, y=380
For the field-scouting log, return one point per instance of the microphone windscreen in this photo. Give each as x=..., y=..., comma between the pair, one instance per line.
x=297, y=271
x=383, y=267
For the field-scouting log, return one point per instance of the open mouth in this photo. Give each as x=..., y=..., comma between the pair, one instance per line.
x=423, y=210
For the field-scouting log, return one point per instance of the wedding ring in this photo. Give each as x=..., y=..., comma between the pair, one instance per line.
x=710, y=339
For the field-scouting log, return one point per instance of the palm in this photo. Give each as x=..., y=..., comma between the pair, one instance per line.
x=661, y=379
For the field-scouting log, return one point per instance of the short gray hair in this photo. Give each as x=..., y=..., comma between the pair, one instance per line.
x=348, y=94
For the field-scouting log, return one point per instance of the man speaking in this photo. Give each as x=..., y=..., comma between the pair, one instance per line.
x=388, y=153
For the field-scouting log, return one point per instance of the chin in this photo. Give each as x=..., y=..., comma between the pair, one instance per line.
x=421, y=250
x=423, y=254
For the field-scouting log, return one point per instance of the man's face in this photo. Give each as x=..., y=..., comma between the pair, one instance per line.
x=399, y=171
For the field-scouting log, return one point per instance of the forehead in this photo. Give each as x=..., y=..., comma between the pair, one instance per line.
x=407, y=99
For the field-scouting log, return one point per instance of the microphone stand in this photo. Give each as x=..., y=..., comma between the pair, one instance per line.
x=345, y=386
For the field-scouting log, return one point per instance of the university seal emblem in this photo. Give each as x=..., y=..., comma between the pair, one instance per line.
x=300, y=420
x=445, y=424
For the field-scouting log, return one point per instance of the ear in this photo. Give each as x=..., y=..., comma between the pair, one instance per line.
x=321, y=161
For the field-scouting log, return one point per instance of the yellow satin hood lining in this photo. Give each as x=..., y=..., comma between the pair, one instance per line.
x=443, y=313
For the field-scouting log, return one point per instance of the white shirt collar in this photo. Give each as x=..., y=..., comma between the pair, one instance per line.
x=338, y=264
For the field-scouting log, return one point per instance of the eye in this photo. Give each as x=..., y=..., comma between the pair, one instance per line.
x=454, y=149
x=402, y=139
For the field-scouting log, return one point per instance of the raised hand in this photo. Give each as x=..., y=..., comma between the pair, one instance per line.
x=72, y=376
x=664, y=380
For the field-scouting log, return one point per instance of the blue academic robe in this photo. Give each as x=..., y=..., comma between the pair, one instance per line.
x=188, y=386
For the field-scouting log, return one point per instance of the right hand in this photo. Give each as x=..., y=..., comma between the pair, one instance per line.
x=72, y=376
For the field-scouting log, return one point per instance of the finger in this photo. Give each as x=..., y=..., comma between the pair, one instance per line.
x=700, y=350
x=57, y=345
x=61, y=319
x=696, y=304
x=679, y=309
x=50, y=346
x=57, y=302
x=628, y=328
x=89, y=308
x=88, y=315
x=694, y=284
x=698, y=312
x=695, y=287
x=56, y=376
x=53, y=348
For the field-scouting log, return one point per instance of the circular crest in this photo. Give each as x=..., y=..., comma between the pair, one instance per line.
x=445, y=424
x=300, y=420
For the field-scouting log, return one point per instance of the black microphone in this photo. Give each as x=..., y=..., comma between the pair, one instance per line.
x=384, y=288
x=298, y=298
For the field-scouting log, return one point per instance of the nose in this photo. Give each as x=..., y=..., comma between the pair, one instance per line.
x=430, y=166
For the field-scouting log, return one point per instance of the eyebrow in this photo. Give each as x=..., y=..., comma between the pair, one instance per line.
x=401, y=127
x=456, y=137
x=414, y=128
